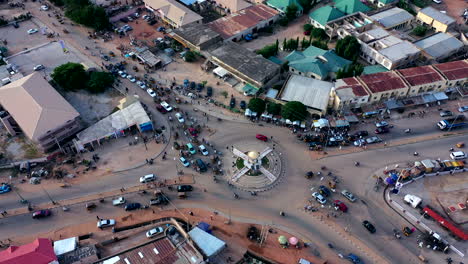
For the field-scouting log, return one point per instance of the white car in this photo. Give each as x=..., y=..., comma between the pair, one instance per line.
x=381, y=124
x=458, y=155
x=122, y=74
x=131, y=78
x=166, y=106
x=437, y=1
x=348, y=195
x=372, y=140
x=463, y=109
x=38, y=67
x=151, y=92
x=44, y=8
x=203, y=150
x=184, y=162
x=105, y=223
x=32, y=31
x=154, y=232
x=319, y=198
x=147, y=178
x=141, y=84
x=180, y=118
x=359, y=142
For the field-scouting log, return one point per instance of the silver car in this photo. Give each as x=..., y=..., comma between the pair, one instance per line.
x=348, y=195
x=154, y=232
x=319, y=198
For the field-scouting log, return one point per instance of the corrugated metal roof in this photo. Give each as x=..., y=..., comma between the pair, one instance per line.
x=454, y=70
x=392, y=17
x=311, y=92
x=325, y=14
x=437, y=15
x=399, y=51
x=209, y=244
x=383, y=81
x=420, y=75
x=439, y=45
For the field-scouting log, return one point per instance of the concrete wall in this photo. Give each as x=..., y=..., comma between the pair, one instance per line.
x=436, y=25
x=393, y=94
x=65, y=131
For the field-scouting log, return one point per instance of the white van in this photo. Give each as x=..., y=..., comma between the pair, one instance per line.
x=147, y=178
x=458, y=155
x=166, y=106
x=412, y=200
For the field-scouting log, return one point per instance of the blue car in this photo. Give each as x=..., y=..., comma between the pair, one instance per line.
x=354, y=259
x=4, y=188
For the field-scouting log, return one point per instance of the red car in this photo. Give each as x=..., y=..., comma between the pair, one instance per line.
x=262, y=137
x=382, y=130
x=161, y=109
x=339, y=205
x=41, y=214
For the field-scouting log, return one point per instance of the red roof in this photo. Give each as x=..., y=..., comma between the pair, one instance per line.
x=420, y=75
x=354, y=84
x=40, y=251
x=444, y=222
x=382, y=81
x=238, y=22
x=454, y=70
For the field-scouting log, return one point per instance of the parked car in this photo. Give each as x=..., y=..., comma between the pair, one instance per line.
x=184, y=188
x=382, y=130
x=180, y=118
x=141, y=84
x=203, y=150
x=147, y=178
x=232, y=103
x=339, y=205
x=209, y=91
x=463, y=109
x=105, y=223
x=32, y=31
x=41, y=214
x=131, y=78
x=372, y=140
x=349, y=195
x=362, y=133
x=166, y=106
x=44, y=7
x=132, y=206
x=184, y=162
x=458, y=155
x=445, y=113
x=359, y=142
x=324, y=191
x=38, y=67
x=353, y=258
x=4, y=188
x=261, y=137
x=381, y=124
x=151, y=92
x=118, y=201
x=243, y=105
x=201, y=165
x=319, y=198
x=122, y=74
x=369, y=226
x=154, y=232
x=161, y=109
x=437, y=1
x=191, y=149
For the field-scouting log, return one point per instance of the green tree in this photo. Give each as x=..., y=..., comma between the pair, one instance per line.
x=277, y=46
x=420, y=30
x=320, y=44
x=85, y=13
x=284, y=44
x=70, y=76
x=190, y=56
x=308, y=27
x=268, y=51
x=294, y=111
x=291, y=12
x=3, y=22
x=256, y=105
x=58, y=2
x=348, y=48
x=99, y=81
x=283, y=21
x=274, y=108
x=225, y=94
x=306, y=5
x=319, y=33
x=351, y=70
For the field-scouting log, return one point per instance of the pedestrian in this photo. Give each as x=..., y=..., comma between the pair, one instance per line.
x=191, y=213
x=98, y=217
x=147, y=161
x=211, y=217
x=328, y=215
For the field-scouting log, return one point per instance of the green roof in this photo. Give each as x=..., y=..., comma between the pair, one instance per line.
x=351, y=6
x=250, y=89
x=387, y=1
x=276, y=60
x=317, y=61
x=282, y=4
x=374, y=69
x=325, y=14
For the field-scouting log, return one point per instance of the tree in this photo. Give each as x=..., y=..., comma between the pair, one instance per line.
x=274, y=108
x=308, y=27
x=283, y=21
x=99, y=81
x=256, y=105
x=225, y=94
x=306, y=5
x=190, y=56
x=70, y=76
x=352, y=70
x=277, y=46
x=319, y=33
x=291, y=12
x=268, y=51
x=320, y=44
x=348, y=48
x=294, y=111
x=420, y=30
x=85, y=13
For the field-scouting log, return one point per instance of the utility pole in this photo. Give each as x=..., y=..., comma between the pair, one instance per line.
x=177, y=209
x=48, y=195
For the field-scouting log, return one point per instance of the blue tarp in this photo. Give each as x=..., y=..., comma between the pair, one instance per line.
x=188, y=2
x=205, y=227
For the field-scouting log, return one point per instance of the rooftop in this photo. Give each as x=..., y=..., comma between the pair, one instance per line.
x=351, y=6
x=353, y=85
x=420, y=75
x=176, y=12
x=245, y=61
x=247, y=18
x=233, y=5
x=454, y=70
x=439, y=44
x=374, y=69
x=382, y=81
x=437, y=15
x=40, y=251
x=196, y=34
x=399, y=51
x=311, y=92
x=325, y=14
x=283, y=4
x=392, y=17
x=46, y=108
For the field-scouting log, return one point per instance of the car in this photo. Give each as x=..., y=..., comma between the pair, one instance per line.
x=324, y=191
x=360, y=134
x=161, y=109
x=199, y=87
x=437, y=1
x=353, y=258
x=184, y=162
x=209, y=91
x=201, y=165
x=141, y=84
x=131, y=78
x=152, y=22
x=350, y=196
x=132, y=206
x=32, y=31
x=232, y=103
x=382, y=130
x=381, y=124
x=44, y=7
x=15, y=24
x=184, y=188
x=180, y=118
x=203, y=150
x=166, y=106
x=370, y=227
x=372, y=140
x=445, y=113
x=130, y=18
x=339, y=205
x=105, y=223
x=319, y=198
x=122, y=74
x=161, y=29
x=463, y=109
x=38, y=67
x=147, y=178
x=151, y=92
x=243, y=104
x=191, y=149
x=4, y=188
x=261, y=137
x=41, y=214
x=359, y=142
x=458, y=155
x=154, y=232
x=146, y=17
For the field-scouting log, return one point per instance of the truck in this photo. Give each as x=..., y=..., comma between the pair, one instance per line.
x=118, y=201
x=412, y=200
x=453, y=123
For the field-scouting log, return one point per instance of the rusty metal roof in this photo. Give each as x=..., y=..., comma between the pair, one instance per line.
x=420, y=75
x=382, y=81
x=454, y=70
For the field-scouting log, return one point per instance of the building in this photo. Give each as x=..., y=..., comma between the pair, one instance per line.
x=209, y=245
x=384, y=85
x=441, y=46
x=349, y=93
x=455, y=73
x=312, y=93
x=423, y=79
x=435, y=19
x=197, y=37
x=40, y=251
x=393, y=18
x=373, y=69
x=247, y=21
x=34, y=107
x=323, y=15
x=173, y=13
x=281, y=5
x=232, y=6
x=382, y=3
x=316, y=63
x=351, y=6
x=245, y=65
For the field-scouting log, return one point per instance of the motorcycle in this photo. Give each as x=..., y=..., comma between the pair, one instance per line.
x=408, y=130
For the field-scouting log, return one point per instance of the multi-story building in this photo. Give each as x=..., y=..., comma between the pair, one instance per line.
x=173, y=13
x=435, y=19
x=441, y=46
x=393, y=18
x=455, y=73
x=422, y=80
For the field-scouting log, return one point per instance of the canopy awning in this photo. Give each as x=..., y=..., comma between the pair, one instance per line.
x=249, y=89
x=220, y=71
